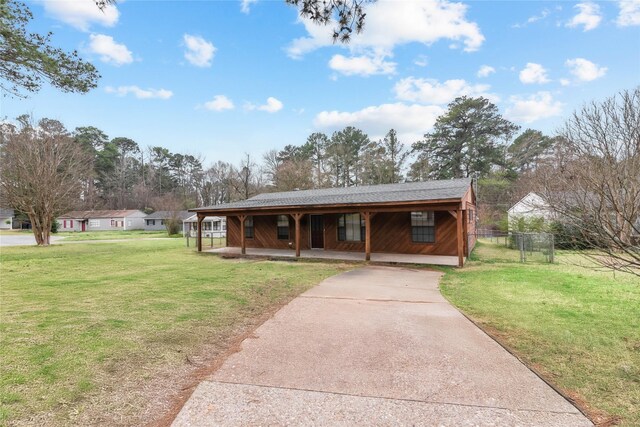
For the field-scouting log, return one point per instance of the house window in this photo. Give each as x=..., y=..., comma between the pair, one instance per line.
x=283, y=227
x=224, y=226
x=248, y=227
x=151, y=222
x=162, y=222
x=206, y=226
x=350, y=228
x=423, y=227
x=470, y=215
x=114, y=223
x=216, y=225
x=65, y=223
x=94, y=223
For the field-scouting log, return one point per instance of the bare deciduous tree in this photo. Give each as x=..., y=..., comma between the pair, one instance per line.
x=594, y=185
x=43, y=172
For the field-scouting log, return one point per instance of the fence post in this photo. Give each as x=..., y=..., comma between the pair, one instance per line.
x=552, y=248
x=211, y=239
x=521, y=247
x=187, y=236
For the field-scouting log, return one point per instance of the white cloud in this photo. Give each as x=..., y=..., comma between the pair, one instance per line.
x=219, y=103
x=431, y=91
x=140, y=93
x=421, y=61
x=364, y=65
x=410, y=121
x=485, y=71
x=589, y=16
x=199, y=51
x=392, y=23
x=110, y=51
x=533, y=73
x=81, y=13
x=565, y=82
x=272, y=105
x=629, y=14
x=545, y=12
x=535, y=107
x=245, y=5
x=534, y=18
x=585, y=70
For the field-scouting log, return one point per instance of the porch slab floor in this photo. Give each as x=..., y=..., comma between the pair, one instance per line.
x=339, y=255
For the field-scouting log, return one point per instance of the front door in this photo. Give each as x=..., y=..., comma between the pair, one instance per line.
x=84, y=223
x=317, y=231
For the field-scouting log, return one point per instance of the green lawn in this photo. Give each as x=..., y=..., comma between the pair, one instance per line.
x=578, y=327
x=99, y=333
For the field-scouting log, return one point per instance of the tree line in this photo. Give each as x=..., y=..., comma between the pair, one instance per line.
x=470, y=139
x=589, y=172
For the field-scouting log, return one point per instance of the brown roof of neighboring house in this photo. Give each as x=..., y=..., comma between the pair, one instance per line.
x=99, y=214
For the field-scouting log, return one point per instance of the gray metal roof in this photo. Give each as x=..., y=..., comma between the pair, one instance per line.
x=182, y=215
x=100, y=214
x=385, y=193
x=6, y=213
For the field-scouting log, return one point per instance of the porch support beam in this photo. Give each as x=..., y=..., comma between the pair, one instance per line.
x=296, y=218
x=459, y=234
x=199, y=232
x=367, y=235
x=465, y=231
x=454, y=214
x=243, y=246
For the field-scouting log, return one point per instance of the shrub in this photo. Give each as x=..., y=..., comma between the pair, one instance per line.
x=568, y=236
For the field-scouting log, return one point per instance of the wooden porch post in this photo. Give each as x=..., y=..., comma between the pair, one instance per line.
x=297, y=217
x=367, y=236
x=465, y=232
x=459, y=238
x=243, y=248
x=199, y=234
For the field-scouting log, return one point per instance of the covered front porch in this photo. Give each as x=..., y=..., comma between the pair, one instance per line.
x=337, y=255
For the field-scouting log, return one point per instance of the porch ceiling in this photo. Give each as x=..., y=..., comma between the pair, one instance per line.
x=439, y=205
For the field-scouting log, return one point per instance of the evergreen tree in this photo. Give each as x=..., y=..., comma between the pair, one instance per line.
x=528, y=149
x=467, y=138
x=27, y=60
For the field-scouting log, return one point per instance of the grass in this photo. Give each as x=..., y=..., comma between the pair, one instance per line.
x=111, y=235
x=99, y=333
x=578, y=327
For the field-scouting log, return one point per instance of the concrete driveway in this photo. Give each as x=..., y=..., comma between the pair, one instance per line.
x=22, y=239
x=374, y=346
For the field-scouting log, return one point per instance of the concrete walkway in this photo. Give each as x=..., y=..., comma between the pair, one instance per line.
x=374, y=346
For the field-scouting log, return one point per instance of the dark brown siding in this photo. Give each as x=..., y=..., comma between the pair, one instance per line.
x=331, y=237
x=266, y=233
x=390, y=232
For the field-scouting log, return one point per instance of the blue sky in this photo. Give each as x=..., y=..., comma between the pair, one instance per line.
x=221, y=78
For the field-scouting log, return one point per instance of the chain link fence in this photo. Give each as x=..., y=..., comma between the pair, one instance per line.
x=527, y=247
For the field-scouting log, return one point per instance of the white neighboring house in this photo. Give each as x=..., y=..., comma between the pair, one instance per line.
x=156, y=221
x=212, y=226
x=529, y=207
x=102, y=220
x=6, y=219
